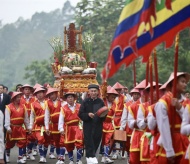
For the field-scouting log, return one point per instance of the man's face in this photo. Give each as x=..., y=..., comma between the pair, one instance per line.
x=125, y=90
x=27, y=91
x=53, y=96
x=111, y=97
x=119, y=91
x=1, y=89
x=40, y=95
x=181, y=84
x=70, y=99
x=17, y=99
x=5, y=90
x=93, y=92
x=136, y=96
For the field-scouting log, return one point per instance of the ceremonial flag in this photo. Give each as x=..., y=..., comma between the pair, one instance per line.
x=143, y=25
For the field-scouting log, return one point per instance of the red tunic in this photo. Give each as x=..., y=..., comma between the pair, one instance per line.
x=17, y=121
x=137, y=133
x=108, y=128
x=71, y=124
x=155, y=133
x=128, y=130
x=179, y=141
x=119, y=110
x=27, y=103
x=39, y=112
x=54, y=111
x=144, y=140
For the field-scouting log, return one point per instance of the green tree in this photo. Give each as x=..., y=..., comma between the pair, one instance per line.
x=39, y=72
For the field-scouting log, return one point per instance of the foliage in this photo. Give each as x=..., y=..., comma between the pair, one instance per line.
x=39, y=72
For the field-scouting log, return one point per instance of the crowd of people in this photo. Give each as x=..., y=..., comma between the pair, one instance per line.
x=157, y=129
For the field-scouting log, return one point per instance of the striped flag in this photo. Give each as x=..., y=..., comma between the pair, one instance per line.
x=144, y=24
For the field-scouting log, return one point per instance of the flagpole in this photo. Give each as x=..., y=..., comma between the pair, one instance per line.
x=175, y=78
x=176, y=64
x=147, y=77
x=134, y=73
x=151, y=80
x=156, y=74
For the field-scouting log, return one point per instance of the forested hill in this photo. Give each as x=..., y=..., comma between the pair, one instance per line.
x=27, y=40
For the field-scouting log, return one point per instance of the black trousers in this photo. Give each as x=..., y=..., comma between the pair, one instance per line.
x=92, y=141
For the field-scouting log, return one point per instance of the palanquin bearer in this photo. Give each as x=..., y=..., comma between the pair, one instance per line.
x=108, y=128
x=124, y=124
x=132, y=123
x=15, y=117
x=142, y=117
x=51, y=122
x=27, y=99
x=92, y=124
x=172, y=144
x=69, y=127
x=37, y=116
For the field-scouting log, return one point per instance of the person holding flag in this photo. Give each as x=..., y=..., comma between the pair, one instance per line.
x=172, y=145
x=124, y=124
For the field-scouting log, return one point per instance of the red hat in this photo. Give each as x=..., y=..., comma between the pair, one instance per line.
x=141, y=85
x=154, y=84
x=51, y=90
x=134, y=90
x=108, y=87
x=26, y=85
x=112, y=91
x=163, y=86
x=38, y=90
x=171, y=78
x=70, y=93
x=14, y=94
x=37, y=86
x=118, y=86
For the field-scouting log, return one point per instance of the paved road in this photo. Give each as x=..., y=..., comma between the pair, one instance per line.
x=14, y=155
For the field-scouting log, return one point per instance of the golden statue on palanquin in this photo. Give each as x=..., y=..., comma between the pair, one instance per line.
x=71, y=71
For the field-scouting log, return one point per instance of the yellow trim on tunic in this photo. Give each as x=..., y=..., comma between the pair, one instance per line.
x=108, y=131
x=164, y=102
x=141, y=149
x=57, y=113
x=76, y=120
x=18, y=118
x=130, y=111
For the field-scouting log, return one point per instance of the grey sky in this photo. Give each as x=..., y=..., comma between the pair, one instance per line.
x=11, y=10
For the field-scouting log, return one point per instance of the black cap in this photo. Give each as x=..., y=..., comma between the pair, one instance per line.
x=93, y=86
